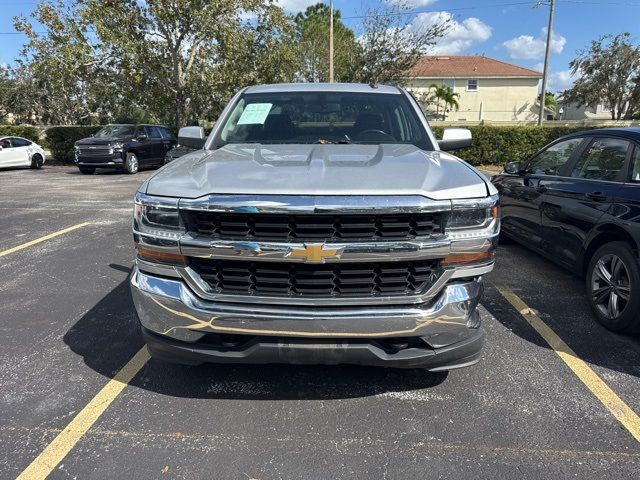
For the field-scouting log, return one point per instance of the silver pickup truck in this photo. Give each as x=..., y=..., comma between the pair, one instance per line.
x=317, y=223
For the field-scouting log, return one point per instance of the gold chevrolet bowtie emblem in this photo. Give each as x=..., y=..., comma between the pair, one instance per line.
x=315, y=252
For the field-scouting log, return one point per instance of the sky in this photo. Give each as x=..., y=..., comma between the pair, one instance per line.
x=509, y=30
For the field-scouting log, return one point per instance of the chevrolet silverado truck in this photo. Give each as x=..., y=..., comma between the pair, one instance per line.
x=317, y=223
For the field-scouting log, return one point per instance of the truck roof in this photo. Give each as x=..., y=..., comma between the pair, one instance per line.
x=322, y=87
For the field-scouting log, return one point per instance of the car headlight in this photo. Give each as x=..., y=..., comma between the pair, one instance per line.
x=158, y=217
x=117, y=147
x=473, y=217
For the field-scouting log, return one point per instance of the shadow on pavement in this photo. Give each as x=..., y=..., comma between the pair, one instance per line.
x=559, y=300
x=107, y=336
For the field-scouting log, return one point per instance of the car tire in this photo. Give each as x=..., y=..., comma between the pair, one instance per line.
x=131, y=164
x=612, y=275
x=37, y=161
x=87, y=170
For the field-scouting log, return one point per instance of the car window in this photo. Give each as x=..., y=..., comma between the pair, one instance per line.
x=323, y=117
x=635, y=165
x=166, y=134
x=551, y=160
x=20, y=142
x=6, y=143
x=115, y=131
x=153, y=132
x=603, y=160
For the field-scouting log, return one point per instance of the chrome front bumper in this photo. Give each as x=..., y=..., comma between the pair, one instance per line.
x=168, y=307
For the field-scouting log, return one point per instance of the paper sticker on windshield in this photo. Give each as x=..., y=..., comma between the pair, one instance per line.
x=255, y=113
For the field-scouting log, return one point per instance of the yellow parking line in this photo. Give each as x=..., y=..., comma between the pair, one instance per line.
x=55, y=452
x=43, y=239
x=627, y=417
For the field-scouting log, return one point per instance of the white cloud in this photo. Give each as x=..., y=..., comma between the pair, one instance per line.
x=461, y=35
x=526, y=47
x=295, y=6
x=562, y=80
x=412, y=3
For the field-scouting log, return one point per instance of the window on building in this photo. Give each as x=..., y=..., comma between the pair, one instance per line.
x=472, y=84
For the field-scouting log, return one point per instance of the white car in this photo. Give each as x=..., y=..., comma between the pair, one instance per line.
x=20, y=152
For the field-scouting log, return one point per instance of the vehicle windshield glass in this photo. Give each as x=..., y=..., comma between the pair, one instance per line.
x=323, y=117
x=114, y=131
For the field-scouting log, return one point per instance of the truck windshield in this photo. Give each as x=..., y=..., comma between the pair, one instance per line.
x=324, y=117
x=114, y=131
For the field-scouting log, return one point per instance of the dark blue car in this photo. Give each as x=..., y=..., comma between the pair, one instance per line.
x=577, y=202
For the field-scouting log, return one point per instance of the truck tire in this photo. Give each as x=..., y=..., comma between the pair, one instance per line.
x=613, y=287
x=131, y=163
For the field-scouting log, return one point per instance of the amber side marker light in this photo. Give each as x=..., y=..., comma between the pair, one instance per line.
x=163, y=257
x=463, y=258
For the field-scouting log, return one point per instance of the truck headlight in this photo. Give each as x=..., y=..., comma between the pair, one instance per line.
x=473, y=217
x=117, y=147
x=157, y=216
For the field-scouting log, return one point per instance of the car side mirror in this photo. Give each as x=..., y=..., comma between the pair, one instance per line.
x=513, y=168
x=455, y=139
x=192, y=137
x=141, y=137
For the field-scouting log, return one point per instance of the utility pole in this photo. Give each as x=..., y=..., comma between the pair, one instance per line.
x=545, y=71
x=331, y=43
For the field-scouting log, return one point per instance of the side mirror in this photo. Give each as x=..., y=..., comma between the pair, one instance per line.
x=455, y=139
x=513, y=168
x=141, y=137
x=192, y=137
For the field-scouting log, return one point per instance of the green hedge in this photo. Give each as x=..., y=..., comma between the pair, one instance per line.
x=25, y=131
x=60, y=140
x=497, y=145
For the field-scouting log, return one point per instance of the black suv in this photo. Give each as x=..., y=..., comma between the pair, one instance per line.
x=577, y=202
x=127, y=147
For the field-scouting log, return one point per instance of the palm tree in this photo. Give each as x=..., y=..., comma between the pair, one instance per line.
x=445, y=94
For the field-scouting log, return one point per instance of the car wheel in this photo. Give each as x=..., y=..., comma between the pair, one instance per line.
x=37, y=161
x=131, y=164
x=613, y=287
x=87, y=170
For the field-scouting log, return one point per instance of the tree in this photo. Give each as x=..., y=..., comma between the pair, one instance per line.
x=550, y=101
x=445, y=94
x=312, y=35
x=178, y=60
x=609, y=71
x=391, y=43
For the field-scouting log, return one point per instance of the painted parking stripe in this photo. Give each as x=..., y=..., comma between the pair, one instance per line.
x=55, y=452
x=43, y=239
x=625, y=415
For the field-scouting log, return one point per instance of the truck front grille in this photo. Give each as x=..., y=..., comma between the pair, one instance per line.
x=318, y=280
x=315, y=227
x=95, y=151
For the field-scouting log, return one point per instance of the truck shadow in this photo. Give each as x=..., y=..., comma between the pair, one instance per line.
x=107, y=336
x=558, y=298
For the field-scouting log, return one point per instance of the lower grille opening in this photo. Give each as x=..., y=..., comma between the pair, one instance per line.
x=289, y=279
x=389, y=345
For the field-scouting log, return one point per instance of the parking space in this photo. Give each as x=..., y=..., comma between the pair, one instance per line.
x=68, y=326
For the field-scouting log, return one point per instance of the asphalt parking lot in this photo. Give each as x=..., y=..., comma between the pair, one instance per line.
x=67, y=327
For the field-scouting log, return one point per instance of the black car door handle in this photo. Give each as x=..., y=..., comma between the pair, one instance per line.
x=596, y=196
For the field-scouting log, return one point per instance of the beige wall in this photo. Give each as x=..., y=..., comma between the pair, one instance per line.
x=497, y=99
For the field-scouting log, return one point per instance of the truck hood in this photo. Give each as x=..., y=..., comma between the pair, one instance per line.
x=318, y=170
x=102, y=141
